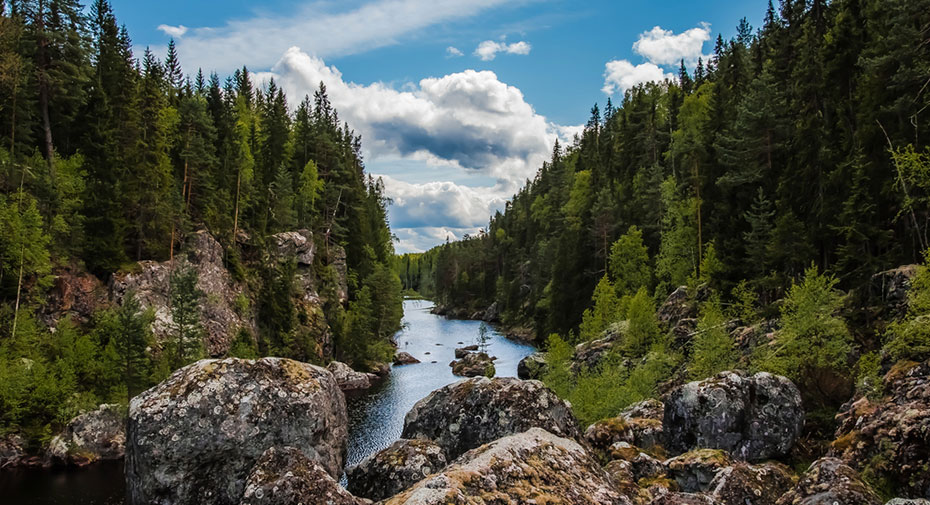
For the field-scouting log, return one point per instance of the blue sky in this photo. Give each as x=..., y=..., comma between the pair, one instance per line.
x=458, y=101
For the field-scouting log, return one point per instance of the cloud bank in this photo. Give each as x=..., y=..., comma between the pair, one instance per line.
x=488, y=49
x=660, y=48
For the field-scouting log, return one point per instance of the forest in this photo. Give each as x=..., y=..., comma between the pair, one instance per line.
x=108, y=158
x=770, y=182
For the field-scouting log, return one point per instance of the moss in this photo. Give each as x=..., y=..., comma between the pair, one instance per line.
x=846, y=441
x=899, y=370
x=661, y=481
x=715, y=457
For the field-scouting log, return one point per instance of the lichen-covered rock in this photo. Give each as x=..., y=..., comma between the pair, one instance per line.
x=531, y=467
x=695, y=470
x=195, y=437
x=473, y=412
x=588, y=355
x=475, y=364
x=889, y=438
x=404, y=358
x=646, y=409
x=295, y=244
x=827, y=482
x=461, y=352
x=603, y=434
x=753, y=417
x=908, y=501
x=533, y=366
x=75, y=293
x=395, y=469
x=889, y=289
x=286, y=476
x=683, y=499
x=12, y=451
x=745, y=484
x=218, y=315
x=644, y=423
x=348, y=379
x=92, y=436
x=676, y=307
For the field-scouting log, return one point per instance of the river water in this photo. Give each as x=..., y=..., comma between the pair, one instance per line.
x=376, y=417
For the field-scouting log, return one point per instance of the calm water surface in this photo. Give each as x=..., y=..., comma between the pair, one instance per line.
x=376, y=417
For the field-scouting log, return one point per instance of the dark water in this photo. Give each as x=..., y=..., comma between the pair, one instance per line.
x=376, y=417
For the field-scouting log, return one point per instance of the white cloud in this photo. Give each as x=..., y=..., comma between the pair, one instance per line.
x=420, y=239
x=663, y=47
x=453, y=52
x=323, y=27
x=621, y=75
x=173, y=31
x=488, y=49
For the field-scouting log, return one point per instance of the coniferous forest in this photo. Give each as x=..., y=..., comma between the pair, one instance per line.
x=109, y=158
x=763, y=189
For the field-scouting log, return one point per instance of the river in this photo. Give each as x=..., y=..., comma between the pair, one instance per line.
x=376, y=416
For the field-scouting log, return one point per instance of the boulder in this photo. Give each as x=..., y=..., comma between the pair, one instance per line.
x=676, y=307
x=603, y=434
x=683, y=499
x=492, y=314
x=404, y=358
x=530, y=467
x=908, y=501
x=754, y=417
x=461, y=352
x=646, y=409
x=286, y=476
x=395, y=469
x=473, y=412
x=694, y=470
x=588, y=355
x=745, y=484
x=219, y=316
x=889, y=437
x=295, y=244
x=92, y=436
x=348, y=379
x=195, y=437
x=12, y=451
x=533, y=366
x=827, y=482
x=644, y=421
x=475, y=364
x=889, y=289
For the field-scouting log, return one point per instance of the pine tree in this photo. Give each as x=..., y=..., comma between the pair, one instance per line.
x=186, y=298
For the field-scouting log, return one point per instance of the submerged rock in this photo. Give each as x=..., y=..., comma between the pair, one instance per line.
x=348, y=379
x=473, y=412
x=195, y=437
x=533, y=366
x=753, y=417
x=404, y=358
x=92, y=436
x=476, y=364
x=395, y=469
x=286, y=476
x=890, y=437
x=531, y=467
x=827, y=482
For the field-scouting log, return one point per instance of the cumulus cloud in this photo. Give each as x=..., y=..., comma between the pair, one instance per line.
x=420, y=239
x=173, y=31
x=621, y=75
x=453, y=52
x=325, y=28
x=488, y=49
x=663, y=47
x=418, y=205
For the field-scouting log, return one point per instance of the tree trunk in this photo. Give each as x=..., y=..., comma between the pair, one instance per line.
x=19, y=286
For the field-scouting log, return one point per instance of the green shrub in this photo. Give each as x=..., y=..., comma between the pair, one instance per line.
x=910, y=337
x=713, y=348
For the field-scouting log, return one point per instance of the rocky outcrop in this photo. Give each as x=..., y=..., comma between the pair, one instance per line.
x=646, y=409
x=12, y=451
x=828, y=482
x=531, y=467
x=75, y=293
x=682, y=499
x=533, y=366
x=908, y=501
x=694, y=470
x=339, y=264
x=404, y=358
x=472, y=412
x=588, y=355
x=92, y=436
x=195, y=437
x=676, y=307
x=395, y=469
x=753, y=417
x=348, y=379
x=889, y=289
x=149, y=281
x=889, y=438
x=286, y=476
x=492, y=314
x=474, y=364
x=461, y=352
x=745, y=484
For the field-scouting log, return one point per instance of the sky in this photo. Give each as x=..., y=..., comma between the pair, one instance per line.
x=458, y=101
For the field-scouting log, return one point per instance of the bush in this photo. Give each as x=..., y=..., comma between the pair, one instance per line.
x=910, y=337
x=713, y=348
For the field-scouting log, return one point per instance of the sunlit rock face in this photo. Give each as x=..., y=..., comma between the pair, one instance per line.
x=753, y=417
x=530, y=467
x=195, y=437
x=93, y=436
x=472, y=412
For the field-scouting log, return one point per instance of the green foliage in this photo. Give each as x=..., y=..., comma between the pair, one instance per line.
x=869, y=375
x=186, y=345
x=629, y=263
x=643, y=331
x=910, y=337
x=744, y=303
x=605, y=312
x=244, y=345
x=713, y=348
x=484, y=337
x=677, y=259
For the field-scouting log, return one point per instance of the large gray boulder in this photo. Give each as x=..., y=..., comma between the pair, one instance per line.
x=93, y=436
x=754, y=417
x=473, y=412
x=474, y=364
x=533, y=367
x=195, y=437
x=286, y=476
x=395, y=469
x=348, y=379
x=828, y=482
x=531, y=467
